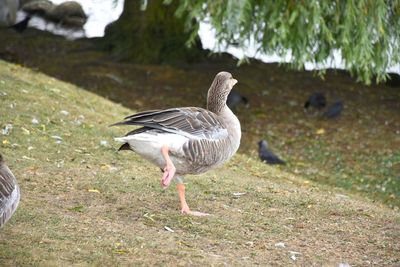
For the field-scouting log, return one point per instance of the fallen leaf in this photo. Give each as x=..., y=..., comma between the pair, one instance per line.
x=250, y=243
x=28, y=158
x=57, y=138
x=93, y=191
x=25, y=131
x=105, y=167
x=120, y=251
x=149, y=217
x=238, y=194
x=320, y=131
x=168, y=229
x=293, y=254
x=46, y=241
x=280, y=245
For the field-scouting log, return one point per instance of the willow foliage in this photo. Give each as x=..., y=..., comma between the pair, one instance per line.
x=366, y=32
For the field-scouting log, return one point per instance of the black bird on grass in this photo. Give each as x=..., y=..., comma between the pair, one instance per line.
x=9, y=193
x=266, y=155
x=315, y=100
x=235, y=98
x=334, y=110
x=393, y=80
x=21, y=26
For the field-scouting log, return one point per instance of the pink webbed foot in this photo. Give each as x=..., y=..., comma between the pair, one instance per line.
x=184, y=206
x=194, y=213
x=169, y=169
x=169, y=173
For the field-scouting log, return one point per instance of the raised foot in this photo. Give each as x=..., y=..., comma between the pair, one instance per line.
x=169, y=169
x=169, y=173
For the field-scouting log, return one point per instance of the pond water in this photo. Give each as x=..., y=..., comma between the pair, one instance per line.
x=100, y=13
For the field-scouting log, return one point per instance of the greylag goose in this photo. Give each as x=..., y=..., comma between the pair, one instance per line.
x=187, y=140
x=9, y=193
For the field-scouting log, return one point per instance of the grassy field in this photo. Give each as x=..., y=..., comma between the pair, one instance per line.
x=358, y=152
x=84, y=204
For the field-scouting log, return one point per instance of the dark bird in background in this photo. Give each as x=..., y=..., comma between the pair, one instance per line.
x=334, y=110
x=9, y=193
x=21, y=26
x=266, y=155
x=393, y=80
x=235, y=99
x=315, y=100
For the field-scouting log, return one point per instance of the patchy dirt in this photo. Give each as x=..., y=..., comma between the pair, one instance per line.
x=359, y=151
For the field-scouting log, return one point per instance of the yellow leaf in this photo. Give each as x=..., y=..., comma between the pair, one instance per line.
x=6, y=142
x=120, y=251
x=93, y=191
x=320, y=131
x=25, y=131
x=105, y=167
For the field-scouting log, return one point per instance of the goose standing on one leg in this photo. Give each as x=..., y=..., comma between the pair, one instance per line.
x=9, y=193
x=188, y=140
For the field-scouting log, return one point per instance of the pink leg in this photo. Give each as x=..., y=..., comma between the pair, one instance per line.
x=169, y=169
x=184, y=206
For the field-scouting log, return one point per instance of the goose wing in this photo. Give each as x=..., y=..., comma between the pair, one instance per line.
x=192, y=122
x=9, y=194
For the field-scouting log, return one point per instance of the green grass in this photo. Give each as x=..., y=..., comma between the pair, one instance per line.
x=84, y=204
x=357, y=152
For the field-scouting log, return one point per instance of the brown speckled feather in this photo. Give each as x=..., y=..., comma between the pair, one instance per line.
x=9, y=193
x=192, y=122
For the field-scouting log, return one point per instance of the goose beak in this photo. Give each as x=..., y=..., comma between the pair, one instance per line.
x=233, y=82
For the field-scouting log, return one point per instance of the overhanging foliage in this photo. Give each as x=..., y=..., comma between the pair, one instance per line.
x=366, y=32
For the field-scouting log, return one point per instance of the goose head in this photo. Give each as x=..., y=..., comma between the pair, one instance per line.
x=219, y=91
